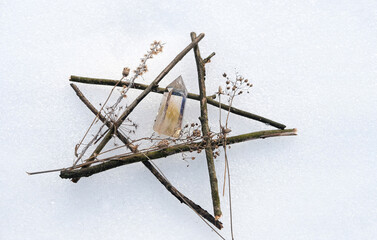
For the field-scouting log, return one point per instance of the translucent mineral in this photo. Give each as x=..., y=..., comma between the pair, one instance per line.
x=170, y=114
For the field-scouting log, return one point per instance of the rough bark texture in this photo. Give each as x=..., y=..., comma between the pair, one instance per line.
x=205, y=130
x=210, y=100
x=120, y=161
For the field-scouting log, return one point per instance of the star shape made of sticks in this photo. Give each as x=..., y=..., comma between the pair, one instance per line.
x=87, y=169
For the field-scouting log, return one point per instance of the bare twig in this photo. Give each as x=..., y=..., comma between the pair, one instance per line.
x=109, y=82
x=208, y=59
x=205, y=130
x=116, y=162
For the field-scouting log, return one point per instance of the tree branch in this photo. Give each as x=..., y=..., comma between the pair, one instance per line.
x=182, y=198
x=109, y=82
x=208, y=59
x=205, y=130
x=120, y=161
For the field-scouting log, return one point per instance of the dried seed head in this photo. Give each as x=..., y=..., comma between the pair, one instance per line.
x=226, y=130
x=196, y=133
x=125, y=72
x=163, y=144
x=224, y=74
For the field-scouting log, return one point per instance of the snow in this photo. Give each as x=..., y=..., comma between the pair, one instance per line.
x=313, y=67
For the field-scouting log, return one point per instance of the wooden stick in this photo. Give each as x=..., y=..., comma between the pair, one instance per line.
x=182, y=198
x=120, y=161
x=211, y=101
x=208, y=59
x=132, y=106
x=205, y=130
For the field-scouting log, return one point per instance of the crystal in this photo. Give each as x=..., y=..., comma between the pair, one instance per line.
x=170, y=114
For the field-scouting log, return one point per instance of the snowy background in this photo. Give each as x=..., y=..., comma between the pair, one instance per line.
x=313, y=65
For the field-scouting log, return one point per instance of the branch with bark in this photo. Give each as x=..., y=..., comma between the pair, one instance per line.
x=205, y=130
x=160, y=90
x=120, y=161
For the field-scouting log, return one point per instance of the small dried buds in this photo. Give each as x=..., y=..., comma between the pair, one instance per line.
x=155, y=48
x=236, y=87
x=196, y=133
x=163, y=144
x=216, y=153
x=126, y=72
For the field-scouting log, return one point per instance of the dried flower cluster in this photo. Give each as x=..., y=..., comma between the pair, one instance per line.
x=236, y=87
x=156, y=48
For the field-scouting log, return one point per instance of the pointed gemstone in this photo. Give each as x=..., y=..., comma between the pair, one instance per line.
x=169, y=118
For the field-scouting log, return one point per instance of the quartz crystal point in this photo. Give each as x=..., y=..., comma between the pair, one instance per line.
x=169, y=118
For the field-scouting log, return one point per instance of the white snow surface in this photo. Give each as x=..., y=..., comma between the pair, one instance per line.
x=313, y=65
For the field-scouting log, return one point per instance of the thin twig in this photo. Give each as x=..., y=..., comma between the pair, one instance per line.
x=47, y=171
x=227, y=167
x=208, y=59
x=109, y=82
x=116, y=162
x=205, y=130
x=230, y=192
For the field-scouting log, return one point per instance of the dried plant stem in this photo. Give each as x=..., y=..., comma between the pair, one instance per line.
x=98, y=114
x=210, y=100
x=182, y=198
x=94, y=120
x=227, y=170
x=132, y=106
x=205, y=130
